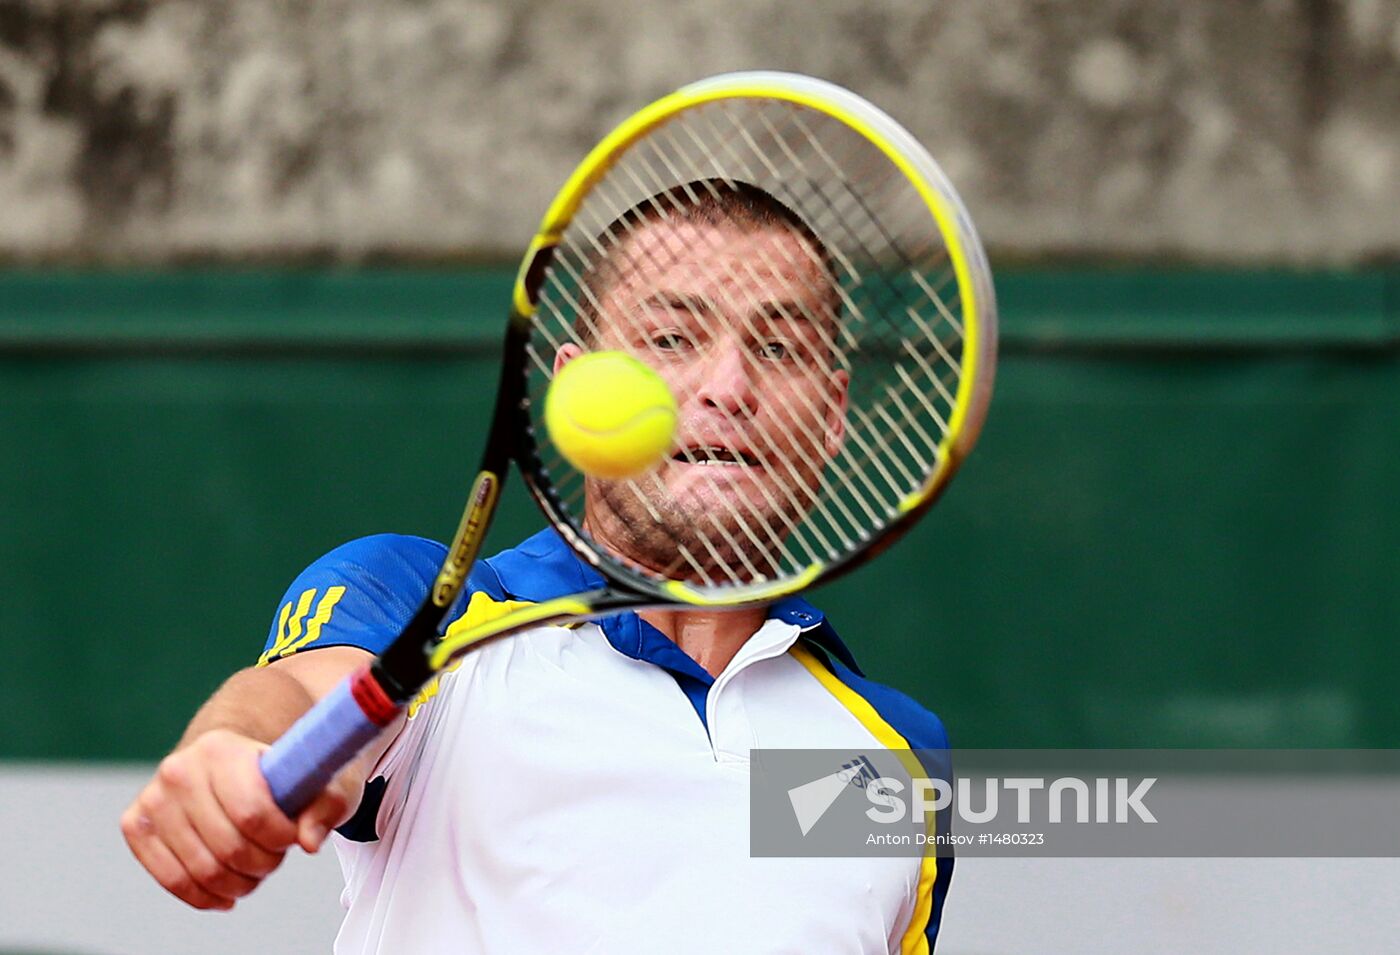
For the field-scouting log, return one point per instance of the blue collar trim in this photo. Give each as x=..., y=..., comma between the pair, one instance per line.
x=632, y=636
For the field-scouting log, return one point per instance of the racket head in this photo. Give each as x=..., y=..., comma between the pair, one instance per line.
x=789, y=233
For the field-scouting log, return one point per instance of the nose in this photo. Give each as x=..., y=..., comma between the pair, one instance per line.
x=726, y=382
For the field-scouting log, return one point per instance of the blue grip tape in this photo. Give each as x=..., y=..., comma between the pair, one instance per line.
x=307, y=757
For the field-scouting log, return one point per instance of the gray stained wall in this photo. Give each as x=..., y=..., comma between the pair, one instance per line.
x=138, y=130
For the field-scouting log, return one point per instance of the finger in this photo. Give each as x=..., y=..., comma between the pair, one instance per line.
x=327, y=811
x=160, y=862
x=248, y=804
x=217, y=831
x=212, y=874
x=171, y=822
x=334, y=806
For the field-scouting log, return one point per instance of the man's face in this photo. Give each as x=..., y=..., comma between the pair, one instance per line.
x=741, y=325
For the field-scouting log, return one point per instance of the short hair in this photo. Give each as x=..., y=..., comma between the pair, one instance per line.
x=726, y=203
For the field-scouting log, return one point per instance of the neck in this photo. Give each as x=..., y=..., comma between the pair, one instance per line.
x=709, y=637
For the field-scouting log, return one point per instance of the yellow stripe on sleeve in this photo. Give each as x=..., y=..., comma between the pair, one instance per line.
x=269, y=653
x=288, y=627
x=323, y=616
x=290, y=635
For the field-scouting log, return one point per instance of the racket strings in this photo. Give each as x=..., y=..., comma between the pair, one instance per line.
x=790, y=524
x=843, y=218
x=733, y=274
x=872, y=294
x=762, y=534
x=780, y=500
x=825, y=550
x=804, y=401
x=885, y=295
x=765, y=537
x=882, y=299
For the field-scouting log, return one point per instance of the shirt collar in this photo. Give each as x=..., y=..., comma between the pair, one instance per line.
x=544, y=567
x=815, y=628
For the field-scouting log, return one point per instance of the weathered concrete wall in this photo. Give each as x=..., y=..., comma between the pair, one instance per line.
x=140, y=130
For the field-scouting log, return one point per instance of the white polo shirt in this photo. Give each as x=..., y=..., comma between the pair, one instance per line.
x=587, y=790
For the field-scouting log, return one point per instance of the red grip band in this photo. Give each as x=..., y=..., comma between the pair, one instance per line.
x=374, y=702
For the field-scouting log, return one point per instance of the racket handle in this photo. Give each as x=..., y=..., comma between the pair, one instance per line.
x=306, y=758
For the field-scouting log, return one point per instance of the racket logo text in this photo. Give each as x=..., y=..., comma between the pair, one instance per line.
x=467, y=541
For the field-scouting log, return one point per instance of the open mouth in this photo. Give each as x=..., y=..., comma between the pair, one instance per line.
x=715, y=456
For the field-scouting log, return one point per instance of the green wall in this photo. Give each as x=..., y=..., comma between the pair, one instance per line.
x=1180, y=529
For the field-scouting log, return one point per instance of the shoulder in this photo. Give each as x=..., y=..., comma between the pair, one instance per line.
x=919, y=726
x=358, y=594
x=394, y=568
x=386, y=553
x=539, y=568
x=364, y=592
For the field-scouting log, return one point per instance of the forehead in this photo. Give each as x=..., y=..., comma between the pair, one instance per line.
x=708, y=258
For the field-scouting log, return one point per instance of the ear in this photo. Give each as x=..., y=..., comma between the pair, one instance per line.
x=836, y=412
x=566, y=353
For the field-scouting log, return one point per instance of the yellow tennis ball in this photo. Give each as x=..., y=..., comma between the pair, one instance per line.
x=610, y=415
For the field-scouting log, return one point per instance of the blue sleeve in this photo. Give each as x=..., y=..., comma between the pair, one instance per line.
x=359, y=595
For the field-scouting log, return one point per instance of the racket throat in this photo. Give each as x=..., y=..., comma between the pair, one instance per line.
x=404, y=667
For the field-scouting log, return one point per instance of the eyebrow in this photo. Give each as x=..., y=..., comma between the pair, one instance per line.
x=783, y=309
x=668, y=299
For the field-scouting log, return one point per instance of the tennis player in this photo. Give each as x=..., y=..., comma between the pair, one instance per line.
x=587, y=789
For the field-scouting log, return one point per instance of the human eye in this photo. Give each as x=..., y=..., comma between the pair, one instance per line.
x=776, y=349
x=670, y=341
x=784, y=351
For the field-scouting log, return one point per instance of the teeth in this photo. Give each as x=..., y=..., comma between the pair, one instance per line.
x=715, y=457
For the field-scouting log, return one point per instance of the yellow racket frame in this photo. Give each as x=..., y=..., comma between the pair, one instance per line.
x=943, y=205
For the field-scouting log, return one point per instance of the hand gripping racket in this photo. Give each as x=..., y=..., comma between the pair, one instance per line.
x=798, y=270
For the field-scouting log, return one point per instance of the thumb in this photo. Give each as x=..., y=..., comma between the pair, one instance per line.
x=329, y=810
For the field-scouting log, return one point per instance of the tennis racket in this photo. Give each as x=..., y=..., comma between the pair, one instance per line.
x=802, y=275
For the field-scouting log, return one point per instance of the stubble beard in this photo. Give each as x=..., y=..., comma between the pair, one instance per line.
x=687, y=540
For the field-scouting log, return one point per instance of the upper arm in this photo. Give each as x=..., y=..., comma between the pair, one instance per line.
x=320, y=672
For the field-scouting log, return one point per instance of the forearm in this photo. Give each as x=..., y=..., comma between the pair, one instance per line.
x=259, y=703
